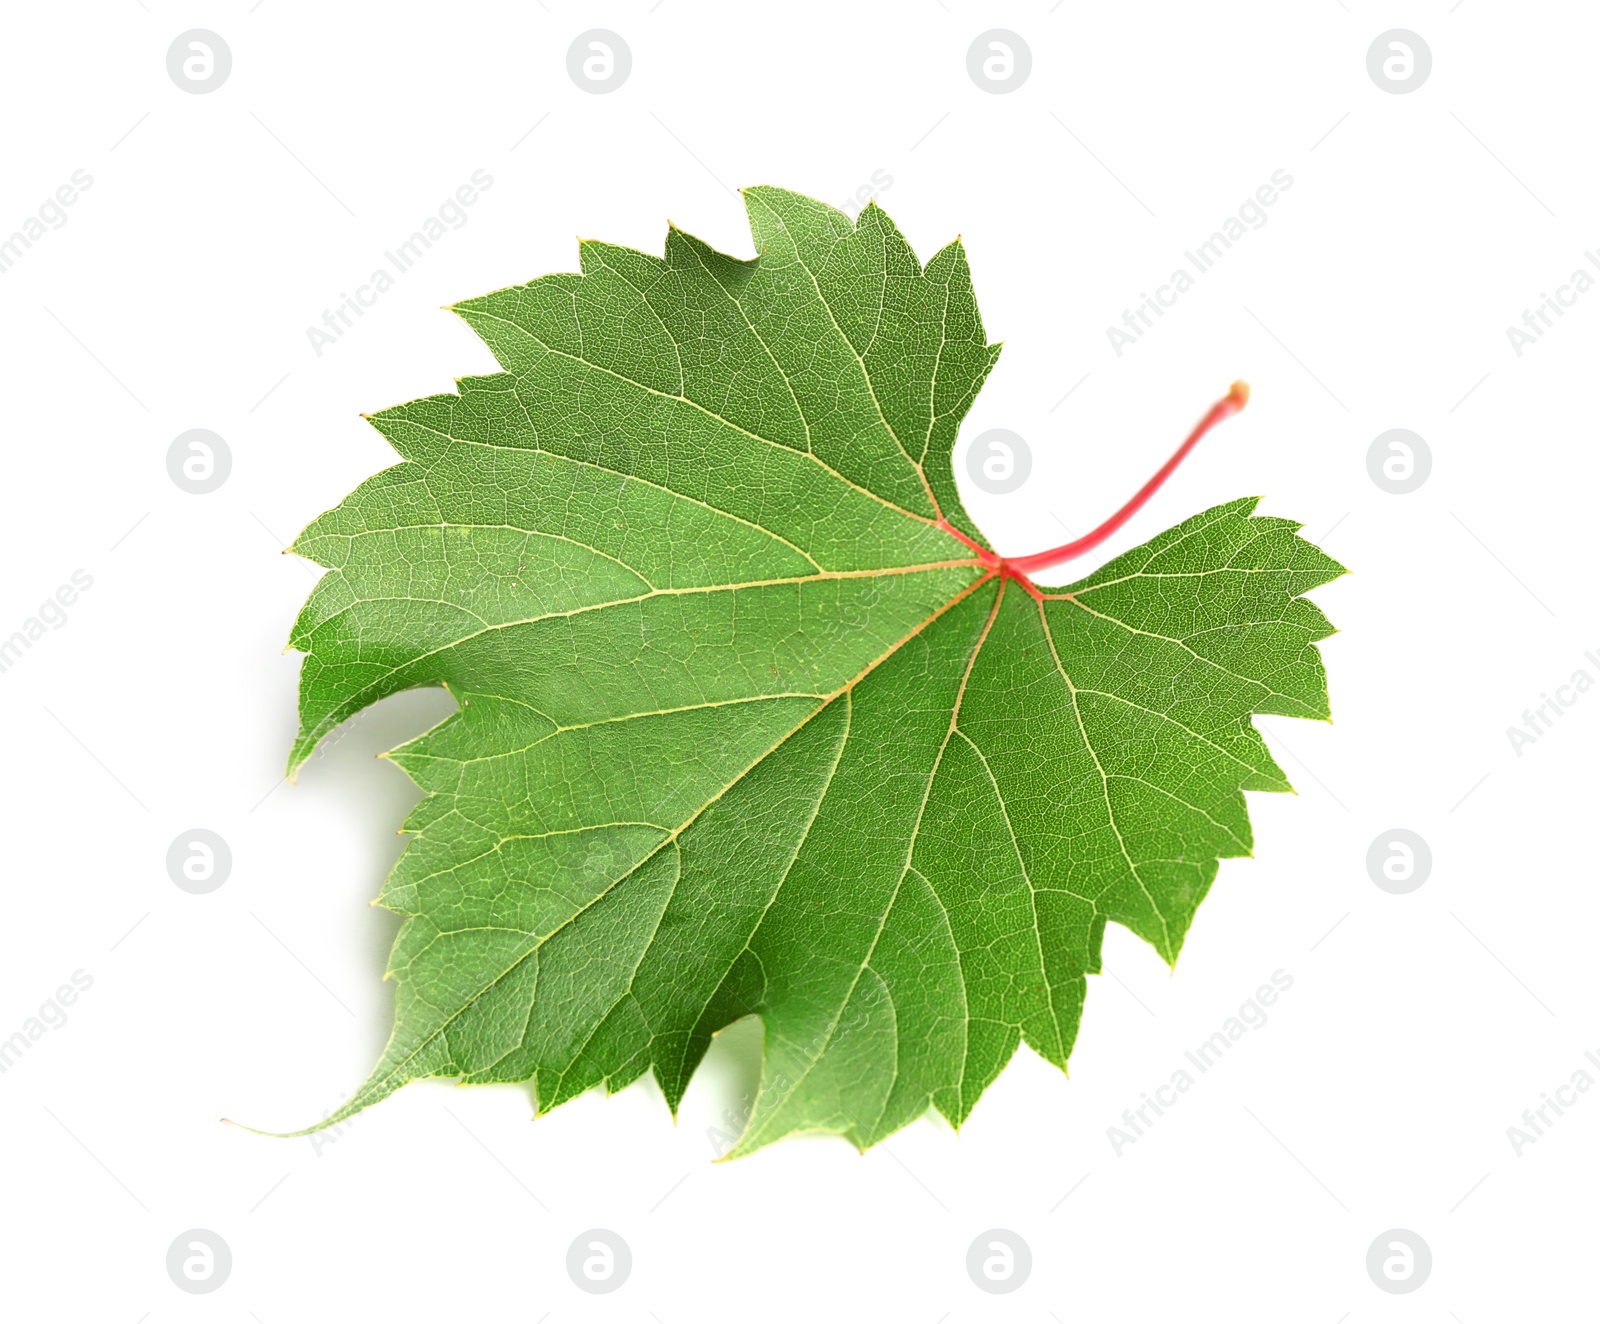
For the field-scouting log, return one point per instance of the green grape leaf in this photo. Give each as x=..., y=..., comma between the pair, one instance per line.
x=750, y=719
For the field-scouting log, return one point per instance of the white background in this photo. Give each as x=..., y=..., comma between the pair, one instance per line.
x=177, y=295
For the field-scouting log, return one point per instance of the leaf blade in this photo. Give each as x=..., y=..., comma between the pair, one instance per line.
x=740, y=730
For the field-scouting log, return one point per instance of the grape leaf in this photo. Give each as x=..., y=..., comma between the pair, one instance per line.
x=751, y=719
